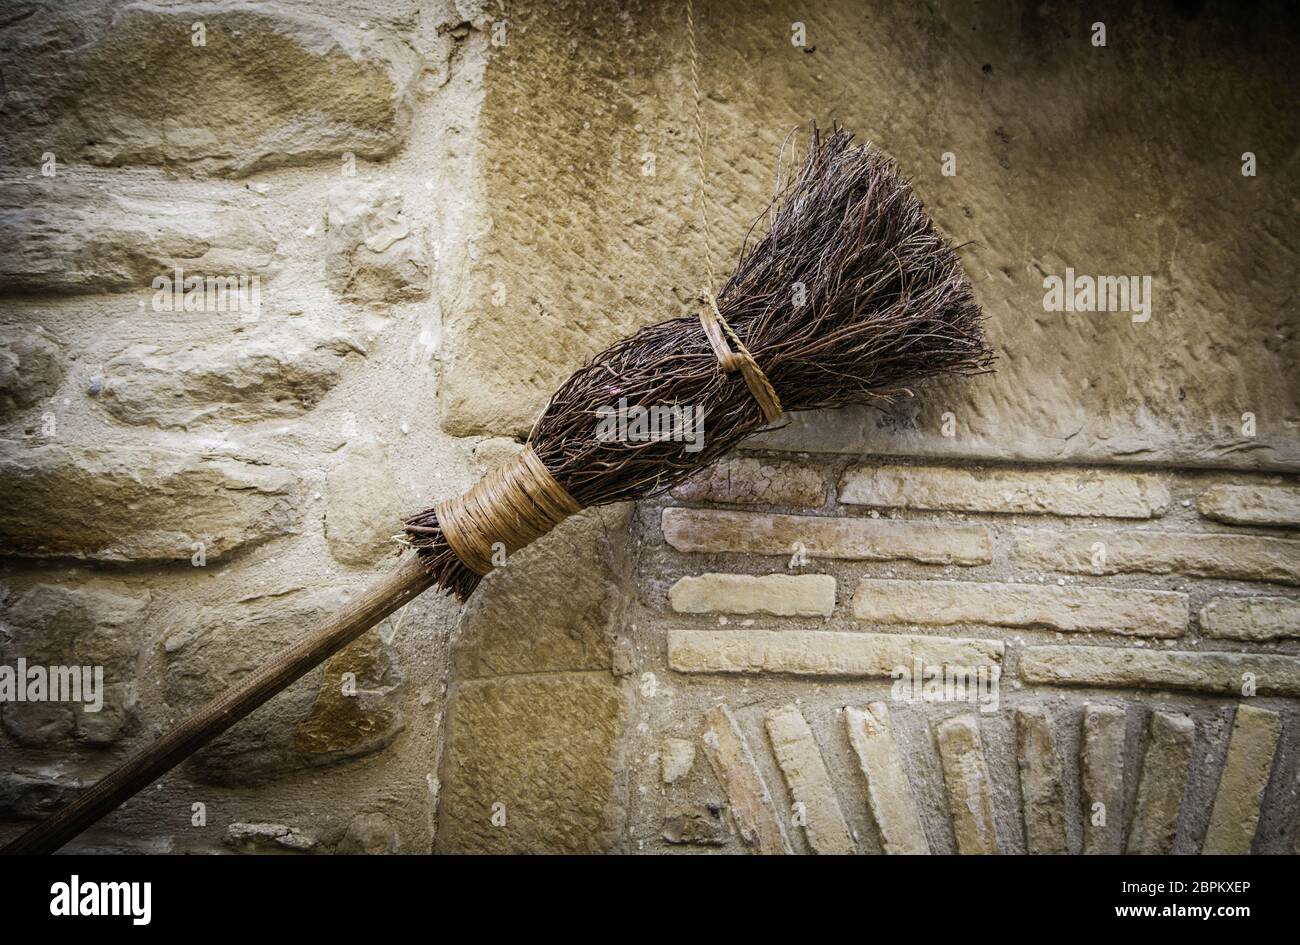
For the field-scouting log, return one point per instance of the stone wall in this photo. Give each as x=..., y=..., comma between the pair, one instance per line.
x=446, y=206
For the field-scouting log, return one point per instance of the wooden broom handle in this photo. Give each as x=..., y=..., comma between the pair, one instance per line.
x=377, y=602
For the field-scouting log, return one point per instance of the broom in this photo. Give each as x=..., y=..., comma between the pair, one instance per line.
x=848, y=296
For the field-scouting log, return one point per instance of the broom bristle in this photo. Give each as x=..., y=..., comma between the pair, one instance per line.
x=849, y=296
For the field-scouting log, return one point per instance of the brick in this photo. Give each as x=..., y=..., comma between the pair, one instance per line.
x=855, y=539
x=751, y=802
x=1140, y=613
x=782, y=595
x=1041, y=780
x=1251, y=505
x=743, y=480
x=677, y=757
x=1160, y=790
x=809, y=782
x=1091, y=492
x=1255, y=734
x=1236, y=557
x=966, y=776
x=820, y=652
x=1101, y=779
x=1160, y=669
x=888, y=792
x=1256, y=619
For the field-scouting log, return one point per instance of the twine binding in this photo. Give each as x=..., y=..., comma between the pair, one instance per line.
x=515, y=504
x=718, y=331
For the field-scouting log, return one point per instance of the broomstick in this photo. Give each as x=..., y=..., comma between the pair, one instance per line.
x=849, y=295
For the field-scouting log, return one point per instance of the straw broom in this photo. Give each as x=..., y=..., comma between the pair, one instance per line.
x=848, y=296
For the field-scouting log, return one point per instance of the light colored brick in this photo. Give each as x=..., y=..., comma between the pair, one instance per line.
x=1160, y=790
x=1255, y=734
x=1251, y=505
x=1098, y=551
x=856, y=539
x=1256, y=619
x=751, y=802
x=966, y=776
x=744, y=480
x=888, y=792
x=1125, y=667
x=1041, y=782
x=809, y=782
x=820, y=652
x=1101, y=778
x=782, y=595
x=1140, y=613
x=677, y=758
x=1092, y=492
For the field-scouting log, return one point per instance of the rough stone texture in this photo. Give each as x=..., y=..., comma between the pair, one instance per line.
x=1240, y=557
x=1041, y=781
x=1251, y=619
x=966, y=775
x=1164, y=778
x=128, y=500
x=57, y=625
x=1140, y=613
x=373, y=253
x=362, y=508
x=855, y=539
x=889, y=793
x=677, y=757
x=743, y=480
x=696, y=824
x=1255, y=734
x=809, y=782
x=32, y=795
x=272, y=371
x=268, y=838
x=782, y=595
x=1101, y=779
x=1091, y=492
x=1222, y=673
x=32, y=365
x=273, y=85
x=820, y=652
x=370, y=833
x=1251, y=505
x=96, y=234
x=751, y=803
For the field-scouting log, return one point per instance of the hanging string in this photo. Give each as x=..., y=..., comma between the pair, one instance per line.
x=702, y=196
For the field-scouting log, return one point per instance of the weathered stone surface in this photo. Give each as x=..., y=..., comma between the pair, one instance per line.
x=1089, y=551
x=696, y=824
x=743, y=480
x=32, y=365
x=1223, y=673
x=1251, y=505
x=371, y=833
x=79, y=235
x=349, y=708
x=966, y=775
x=888, y=792
x=752, y=807
x=268, y=838
x=128, y=500
x=1140, y=613
x=1101, y=779
x=280, y=370
x=855, y=539
x=809, y=782
x=33, y=795
x=527, y=765
x=1041, y=782
x=268, y=85
x=782, y=595
x=1092, y=492
x=362, y=508
x=373, y=252
x=1235, y=817
x=676, y=758
x=53, y=625
x=1164, y=778
x=1253, y=619
x=820, y=652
